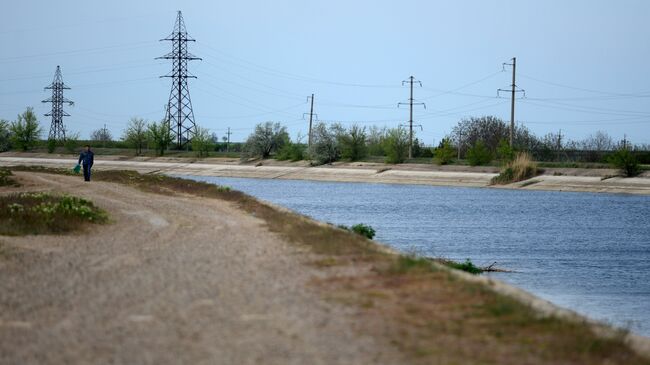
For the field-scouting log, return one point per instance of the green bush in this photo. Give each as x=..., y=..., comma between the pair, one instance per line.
x=396, y=145
x=479, y=155
x=37, y=213
x=353, y=143
x=291, y=151
x=625, y=161
x=445, y=153
x=51, y=145
x=363, y=230
x=505, y=153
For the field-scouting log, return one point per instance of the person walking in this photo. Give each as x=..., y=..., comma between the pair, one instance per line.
x=87, y=157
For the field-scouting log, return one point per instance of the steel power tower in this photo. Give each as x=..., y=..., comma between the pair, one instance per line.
x=411, y=80
x=57, y=129
x=179, y=111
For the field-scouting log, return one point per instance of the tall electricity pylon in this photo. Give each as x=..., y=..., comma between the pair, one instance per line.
x=57, y=129
x=179, y=114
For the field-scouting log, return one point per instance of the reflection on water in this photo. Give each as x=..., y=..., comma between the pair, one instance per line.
x=587, y=252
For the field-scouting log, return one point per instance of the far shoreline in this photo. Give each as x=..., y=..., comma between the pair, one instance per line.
x=556, y=179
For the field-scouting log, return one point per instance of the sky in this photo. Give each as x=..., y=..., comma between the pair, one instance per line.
x=584, y=64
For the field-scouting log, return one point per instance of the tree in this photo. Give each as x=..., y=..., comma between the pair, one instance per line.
x=25, y=131
x=445, y=152
x=293, y=151
x=160, y=135
x=505, y=153
x=353, y=143
x=479, y=155
x=136, y=134
x=375, y=139
x=267, y=138
x=325, y=143
x=491, y=130
x=101, y=135
x=396, y=145
x=5, y=142
x=203, y=141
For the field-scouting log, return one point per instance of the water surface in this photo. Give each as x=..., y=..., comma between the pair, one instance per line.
x=584, y=251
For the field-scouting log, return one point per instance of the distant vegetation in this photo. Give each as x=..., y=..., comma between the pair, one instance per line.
x=476, y=141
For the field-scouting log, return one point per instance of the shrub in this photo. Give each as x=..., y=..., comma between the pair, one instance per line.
x=624, y=160
x=521, y=168
x=267, y=138
x=353, y=143
x=396, y=145
x=291, y=151
x=445, y=153
x=25, y=131
x=479, y=155
x=467, y=266
x=36, y=213
x=363, y=230
x=325, y=143
x=51, y=145
x=505, y=153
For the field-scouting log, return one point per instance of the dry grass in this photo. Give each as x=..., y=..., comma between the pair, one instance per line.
x=519, y=169
x=432, y=316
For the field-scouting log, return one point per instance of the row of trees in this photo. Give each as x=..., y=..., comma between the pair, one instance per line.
x=478, y=140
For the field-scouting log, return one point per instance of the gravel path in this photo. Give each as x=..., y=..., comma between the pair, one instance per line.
x=170, y=280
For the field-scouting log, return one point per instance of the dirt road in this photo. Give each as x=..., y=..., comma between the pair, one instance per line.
x=168, y=281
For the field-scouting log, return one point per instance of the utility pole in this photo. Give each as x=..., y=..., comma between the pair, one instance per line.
x=311, y=118
x=105, y=135
x=57, y=129
x=411, y=80
x=460, y=142
x=179, y=111
x=513, y=90
x=228, y=140
x=625, y=141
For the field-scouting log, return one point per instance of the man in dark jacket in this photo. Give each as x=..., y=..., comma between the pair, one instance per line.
x=87, y=157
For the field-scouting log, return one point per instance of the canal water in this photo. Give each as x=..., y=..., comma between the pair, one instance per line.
x=583, y=251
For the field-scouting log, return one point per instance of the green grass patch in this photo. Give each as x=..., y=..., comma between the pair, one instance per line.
x=6, y=178
x=42, y=213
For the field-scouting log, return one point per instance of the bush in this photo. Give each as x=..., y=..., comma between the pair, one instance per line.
x=624, y=160
x=505, y=153
x=25, y=131
x=37, y=213
x=266, y=139
x=353, y=143
x=396, y=145
x=467, y=266
x=445, y=153
x=479, y=155
x=521, y=168
x=51, y=145
x=364, y=230
x=325, y=143
x=291, y=151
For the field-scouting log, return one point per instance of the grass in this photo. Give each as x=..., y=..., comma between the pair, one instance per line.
x=429, y=314
x=6, y=179
x=42, y=213
x=519, y=169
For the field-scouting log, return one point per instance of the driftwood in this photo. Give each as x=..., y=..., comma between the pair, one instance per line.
x=492, y=268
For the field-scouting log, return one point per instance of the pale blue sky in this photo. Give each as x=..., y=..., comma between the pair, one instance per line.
x=583, y=64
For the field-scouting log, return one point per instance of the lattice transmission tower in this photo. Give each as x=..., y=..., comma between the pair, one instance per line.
x=179, y=111
x=57, y=129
